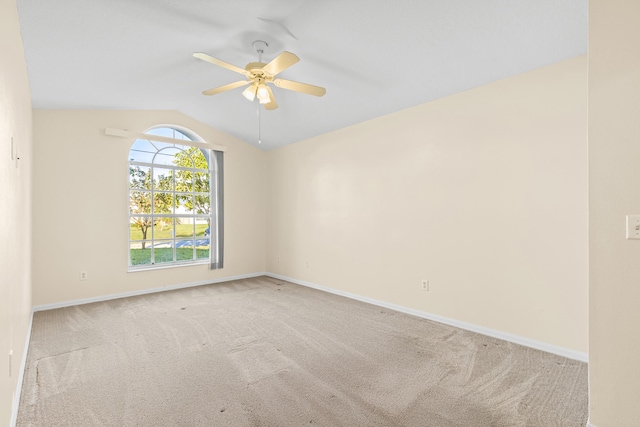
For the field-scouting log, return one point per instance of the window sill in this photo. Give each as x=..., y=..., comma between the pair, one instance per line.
x=165, y=266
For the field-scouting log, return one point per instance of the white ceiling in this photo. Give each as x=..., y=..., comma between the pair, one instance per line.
x=373, y=56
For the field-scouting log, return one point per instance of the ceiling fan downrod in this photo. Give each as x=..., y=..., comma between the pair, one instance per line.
x=259, y=46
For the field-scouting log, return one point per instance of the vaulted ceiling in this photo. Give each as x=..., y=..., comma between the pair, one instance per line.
x=374, y=57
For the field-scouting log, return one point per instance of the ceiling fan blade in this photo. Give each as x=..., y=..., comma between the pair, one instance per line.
x=273, y=104
x=220, y=63
x=219, y=89
x=300, y=87
x=281, y=63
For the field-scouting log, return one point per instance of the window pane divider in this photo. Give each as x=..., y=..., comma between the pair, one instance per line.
x=169, y=167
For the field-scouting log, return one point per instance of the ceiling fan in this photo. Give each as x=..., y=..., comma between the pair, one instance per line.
x=258, y=74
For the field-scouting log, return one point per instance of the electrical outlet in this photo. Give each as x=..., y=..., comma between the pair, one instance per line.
x=425, y=285
x=278, y=258
x=10, y=357
x=83, y=275
x=306, y=264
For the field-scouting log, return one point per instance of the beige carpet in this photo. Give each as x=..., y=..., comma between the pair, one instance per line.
x=263, y=352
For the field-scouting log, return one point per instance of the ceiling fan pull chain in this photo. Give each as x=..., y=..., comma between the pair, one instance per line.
x=259, y=127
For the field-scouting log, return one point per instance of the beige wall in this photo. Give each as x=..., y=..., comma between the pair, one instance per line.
x=614, y=192
x=483, y=193
x=81, y=203
x=15, y=205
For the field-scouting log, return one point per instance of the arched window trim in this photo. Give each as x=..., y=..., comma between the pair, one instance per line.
x=214, y=160
x=122, y=133
x=193, y=137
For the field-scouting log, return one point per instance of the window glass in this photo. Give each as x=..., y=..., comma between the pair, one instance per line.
x=169, y=202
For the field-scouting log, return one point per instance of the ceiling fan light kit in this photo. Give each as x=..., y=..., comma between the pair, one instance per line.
x=263, y=94
x=250, y=92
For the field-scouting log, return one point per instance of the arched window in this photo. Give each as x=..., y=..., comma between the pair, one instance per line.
x=175, y=201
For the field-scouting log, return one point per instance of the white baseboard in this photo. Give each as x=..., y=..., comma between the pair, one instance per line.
x=527, y=342
x=590, y=425
x=144, y=292
x=16, y=397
